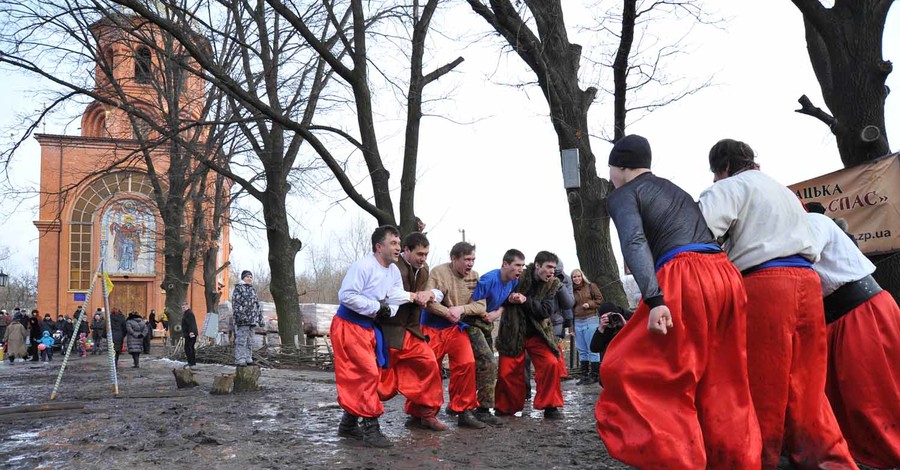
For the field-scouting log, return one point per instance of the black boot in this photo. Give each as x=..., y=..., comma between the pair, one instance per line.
x=137, y=363
x=595, y=374
x=585, y=374
x=372, y=435
x=468, y=420
x=349, y=427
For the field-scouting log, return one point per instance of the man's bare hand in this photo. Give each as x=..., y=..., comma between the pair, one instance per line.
x=424, y=297
x=516, y=298
x=491, y=317
x=453, y=313
x=660, y=320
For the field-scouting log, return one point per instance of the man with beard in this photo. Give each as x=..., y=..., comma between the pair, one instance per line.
x=373, y=289
x=409, y=371
x=445, y=323
x=494, y=288
x=526, y=326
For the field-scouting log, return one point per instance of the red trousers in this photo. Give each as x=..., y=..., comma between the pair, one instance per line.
x=356, y=370
x=863, y=382
x=682, y=400
x=563, y=370
x=786, y=361
x=509, y=396
x=415, y=373
x=455, y=343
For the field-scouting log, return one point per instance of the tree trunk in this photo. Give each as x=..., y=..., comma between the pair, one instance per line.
x=246, y=379
x=283, y=251
x=852, y=75
x=223, y=384
x=184, y=378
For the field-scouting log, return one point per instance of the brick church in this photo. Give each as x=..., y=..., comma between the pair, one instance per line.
x=96, y=196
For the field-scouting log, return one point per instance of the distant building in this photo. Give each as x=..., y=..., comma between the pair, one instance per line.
x=96, y=197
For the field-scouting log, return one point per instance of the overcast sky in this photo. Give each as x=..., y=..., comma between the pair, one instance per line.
x=495, y=171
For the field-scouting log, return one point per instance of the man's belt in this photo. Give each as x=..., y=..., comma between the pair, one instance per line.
x=849, y=296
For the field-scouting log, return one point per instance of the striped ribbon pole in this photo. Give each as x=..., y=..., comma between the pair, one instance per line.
x=110, y=348
x=62, y=368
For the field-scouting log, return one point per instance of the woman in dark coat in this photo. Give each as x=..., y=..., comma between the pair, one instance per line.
x=189, y=330
x=152, y=319
x=137, y=329
x=35, y=333
x=117, y=323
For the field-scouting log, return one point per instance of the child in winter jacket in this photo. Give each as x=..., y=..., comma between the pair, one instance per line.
x=47, y=341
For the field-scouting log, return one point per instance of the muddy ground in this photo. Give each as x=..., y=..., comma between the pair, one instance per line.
x=290, y=423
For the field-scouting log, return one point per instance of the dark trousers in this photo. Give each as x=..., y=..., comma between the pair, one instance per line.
x=117, y=344
x=189, y=350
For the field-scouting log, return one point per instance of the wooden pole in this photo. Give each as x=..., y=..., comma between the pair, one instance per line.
x=110, y=347
x=62, y=368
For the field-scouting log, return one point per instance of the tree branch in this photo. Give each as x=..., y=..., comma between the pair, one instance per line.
x=806, y=107
x=441, y=71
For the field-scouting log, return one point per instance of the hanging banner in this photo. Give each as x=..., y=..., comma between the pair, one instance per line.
x=866, y=196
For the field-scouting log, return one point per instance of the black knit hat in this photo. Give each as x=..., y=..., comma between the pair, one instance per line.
x=245, y=273
x=631, y=151
x=816, y=207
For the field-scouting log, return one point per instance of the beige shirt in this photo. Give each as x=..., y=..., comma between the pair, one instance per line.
x=457, y=291
x=760, y=219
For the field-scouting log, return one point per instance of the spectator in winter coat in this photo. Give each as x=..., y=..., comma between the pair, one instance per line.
x=60, y=323
x=117, y=323
x=189, y=329
x=98, y=333
x=136, y=329
x=14, y=338
x=247, y=314
x=47, y=324
x=34, y=332
x=148, y=337
x=4, y=322
x=152, y=319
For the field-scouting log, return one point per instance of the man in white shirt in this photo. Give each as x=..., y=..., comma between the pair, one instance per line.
x=767, y=236
x=863, y=325
x=372, y=288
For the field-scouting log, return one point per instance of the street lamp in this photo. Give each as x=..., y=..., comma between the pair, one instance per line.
x=4, y=278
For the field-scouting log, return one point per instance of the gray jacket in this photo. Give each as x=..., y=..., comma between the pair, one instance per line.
x=137, y=328
x=563, y=303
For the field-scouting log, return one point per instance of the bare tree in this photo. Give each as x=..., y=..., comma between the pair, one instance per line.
x=537, y=32
x=128, y=65
x=844, y=43
x=845, y=48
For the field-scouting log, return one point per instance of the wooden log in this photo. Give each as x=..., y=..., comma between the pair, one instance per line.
x=35, y=415
x=246, y=379
x=46, y=407
x=184, y=378
x=223, y=384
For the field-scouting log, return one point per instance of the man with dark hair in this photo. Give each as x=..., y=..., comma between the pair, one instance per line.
x=693, y=365
x=444, y=323
x=494, y=288
x=526, y=326
x=190, y=332
x=373, y=289
x=767, y=236
x=412, y=371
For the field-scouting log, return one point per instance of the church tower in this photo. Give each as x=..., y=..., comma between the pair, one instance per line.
x=97, y=201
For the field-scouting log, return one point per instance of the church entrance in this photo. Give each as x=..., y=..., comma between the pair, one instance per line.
x=129, y=297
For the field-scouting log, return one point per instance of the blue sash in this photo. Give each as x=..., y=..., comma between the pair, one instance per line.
x=795, y=261
x=695, y=247
x=381, y=346
x=438, y=322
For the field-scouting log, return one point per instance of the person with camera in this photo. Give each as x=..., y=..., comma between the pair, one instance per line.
x=692, y=364
x=587, y=321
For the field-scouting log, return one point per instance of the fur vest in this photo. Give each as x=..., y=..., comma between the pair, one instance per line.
x=515, y=319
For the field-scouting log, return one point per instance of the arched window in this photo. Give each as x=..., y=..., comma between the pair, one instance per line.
x=81, y=235
x=142, y=61
x=93, y=122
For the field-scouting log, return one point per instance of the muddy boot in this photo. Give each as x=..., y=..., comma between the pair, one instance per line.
x=349, y=427
x=484, y=415
x=429, y=421
x=595, y=373
x=585, y=374
x=450, y=412
x=553, y=413
x=372, y=435
x=468, y=420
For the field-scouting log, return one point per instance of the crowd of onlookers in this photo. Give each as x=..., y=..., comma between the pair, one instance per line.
x=31, y=337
